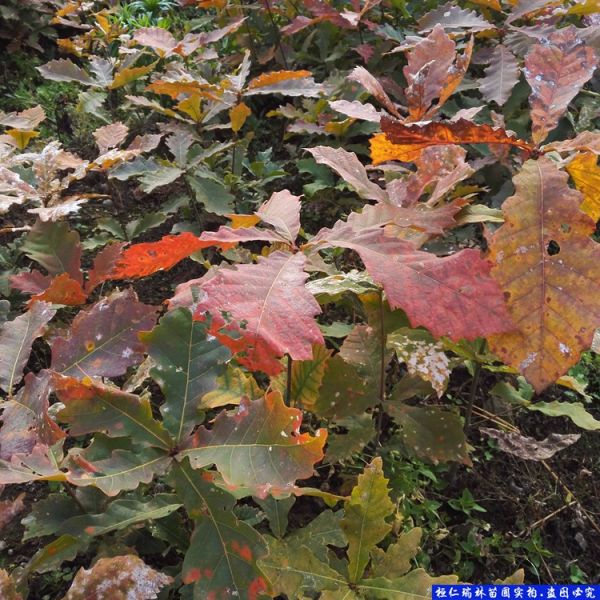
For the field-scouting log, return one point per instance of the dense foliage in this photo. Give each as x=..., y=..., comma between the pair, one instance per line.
x=263, y=262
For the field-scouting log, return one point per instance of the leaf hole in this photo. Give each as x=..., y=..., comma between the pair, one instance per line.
x=565, y=228
x=552, y=248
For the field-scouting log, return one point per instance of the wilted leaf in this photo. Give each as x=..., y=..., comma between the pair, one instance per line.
x=405, y=142
x=347, y=165
x=41, y=464
x=548, y=268
x=223, y=551
x=16, y=338
x=188, y=363
x=365, y=517
x=120, y=578
x=529, y=448
x=260, y=446
x=585, y=172
x=556, y=70
x=270, y=310
x=94, y=407
x=501, y=76
x=103, y=339
x=431, y=433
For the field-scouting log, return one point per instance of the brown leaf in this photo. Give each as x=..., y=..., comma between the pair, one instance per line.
x=362, y=76
x=110, y=136
x=529, y=448
x=120, y=578
x=9, y=509
x=501, y=76
x=8, y=587
x=549, y=270
x=556, y=70
x=282, y=212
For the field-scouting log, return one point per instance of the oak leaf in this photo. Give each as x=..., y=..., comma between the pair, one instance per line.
x=63, y=289
x=269, y=308
x=556, y=70
x=585, y=172
x=501, y=76
x=259, y=446
x=549, y=270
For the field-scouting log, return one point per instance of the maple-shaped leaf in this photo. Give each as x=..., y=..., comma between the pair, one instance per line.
x=125, y=576
x=63, y=289
x=501, y=76
x=453, y=17
x=405, y=142
x=91, y=406
x=223, y=551
x=16, y=338
x=187, y=364
x=259, y=447
x=365, y=517
x=352, y=171
x=268, y=306
x=556, y=70
x=549, y=270
x=103, y=340
x=469, y=303
x=25, y=420
x=55, y=247
x=141, y=260
x=374, y=87
x=114, y=464
x=585, y=172
x=431, y=433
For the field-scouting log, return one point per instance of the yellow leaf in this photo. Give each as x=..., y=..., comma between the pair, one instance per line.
x=243, y=221
x=383, y=150
x=585, y=172
x=127, y=75
x=586, y=7
x=493, y=4
x=103, y=23
x=338, y=127
x=238, y=115
x=22, y=138
x=67, y=45
x=192, y=107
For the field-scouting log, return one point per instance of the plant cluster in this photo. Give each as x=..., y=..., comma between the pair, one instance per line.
x=436, y=221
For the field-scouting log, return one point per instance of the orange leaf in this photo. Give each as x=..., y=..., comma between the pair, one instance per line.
x=238, y=115
x=63, y=290
x=243, y=221
x=176, y=88
x=585, y=172
x=549, y=270
x=141, y=260
x=276, y=77
x=404, y=141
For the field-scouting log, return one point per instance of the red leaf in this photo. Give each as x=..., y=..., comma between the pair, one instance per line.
x=141, y=260
x=62, y=290
x=452, y=296
x=270, y=309
x=103, y=265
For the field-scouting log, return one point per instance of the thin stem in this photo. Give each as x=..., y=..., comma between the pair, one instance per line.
x=381, y=371
x=288, y=386
x=277, y=34
x=473, y=390
x=73, y=495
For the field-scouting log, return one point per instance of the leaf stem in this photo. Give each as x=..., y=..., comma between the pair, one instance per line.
x=473, y=390
x=277, y=34
x=288, y=382
x=381, y=370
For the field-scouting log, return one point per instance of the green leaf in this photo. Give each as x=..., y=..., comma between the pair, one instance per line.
x=395, y=561
x=294, y=571
x=48, y=515
x=119, y=514
x=230, y=388
x=223, y=550
x=325, y=530
x=259, y=447
x=414, y=586
x=161, y=175
x=54, y=246
x=188, y=363
x=364, y=522
x=331, y=288
x=360, y=431
x=91, y=407
x=51, y=556
x=431, y=433
x=574, y=410
x=212, y=194
x=114, y=465
x=277, y=512
x=307, y=376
